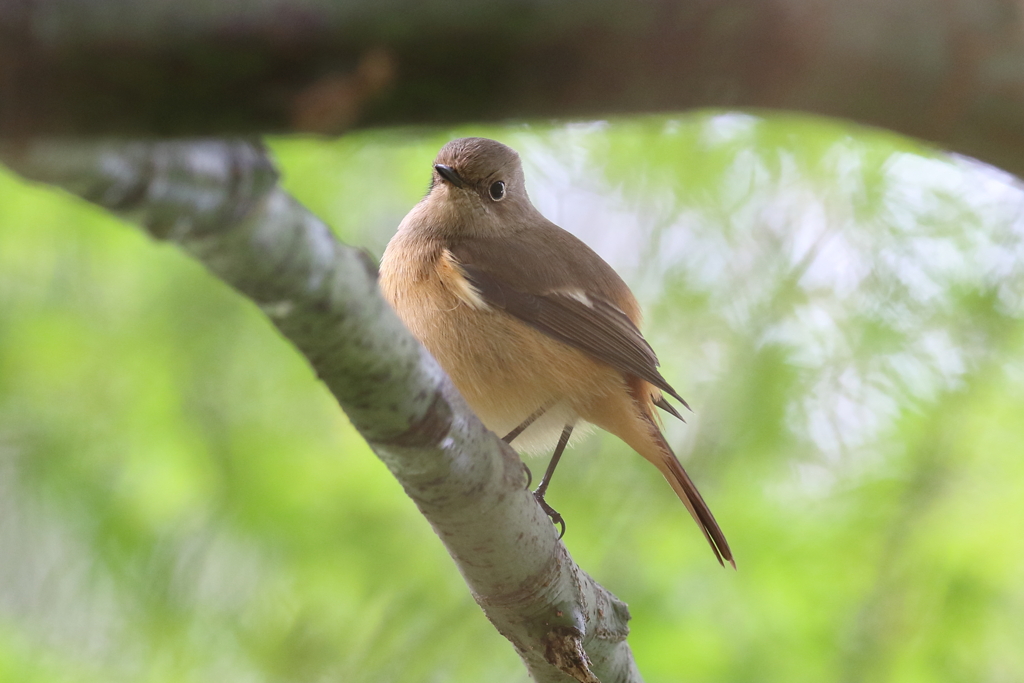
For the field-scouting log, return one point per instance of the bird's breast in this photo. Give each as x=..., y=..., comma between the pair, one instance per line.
x=504, y=369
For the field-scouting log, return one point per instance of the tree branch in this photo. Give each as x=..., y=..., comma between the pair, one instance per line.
x=220, y=202
x=939, y=70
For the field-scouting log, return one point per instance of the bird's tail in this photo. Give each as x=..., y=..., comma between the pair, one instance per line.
x=660, y=454
x=632, y=419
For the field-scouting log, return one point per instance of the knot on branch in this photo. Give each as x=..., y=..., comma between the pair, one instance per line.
x=563, y=649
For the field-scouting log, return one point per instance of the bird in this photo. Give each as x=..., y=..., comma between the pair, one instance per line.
x=537, y=332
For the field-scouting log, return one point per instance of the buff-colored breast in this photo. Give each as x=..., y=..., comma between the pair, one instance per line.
x=504, y=369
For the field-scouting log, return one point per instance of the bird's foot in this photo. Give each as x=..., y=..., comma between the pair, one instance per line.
x=556, y=518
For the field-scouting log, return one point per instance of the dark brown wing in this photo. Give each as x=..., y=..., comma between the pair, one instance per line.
x=565, y=311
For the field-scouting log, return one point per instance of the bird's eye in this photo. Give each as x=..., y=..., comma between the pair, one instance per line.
x=497, y=190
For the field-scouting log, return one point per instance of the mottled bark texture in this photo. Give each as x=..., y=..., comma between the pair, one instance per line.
x=946, y=71
x=219, y=201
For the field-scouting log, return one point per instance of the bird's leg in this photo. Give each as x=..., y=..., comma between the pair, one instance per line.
x=543, y=487
x=508, y=438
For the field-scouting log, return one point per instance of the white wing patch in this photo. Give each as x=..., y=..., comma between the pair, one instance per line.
x=577, y=295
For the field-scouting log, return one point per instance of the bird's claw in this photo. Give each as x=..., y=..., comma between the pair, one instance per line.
x=552, y=513
x=529, y=475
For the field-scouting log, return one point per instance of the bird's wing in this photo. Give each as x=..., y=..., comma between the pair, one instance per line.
x=584, y=320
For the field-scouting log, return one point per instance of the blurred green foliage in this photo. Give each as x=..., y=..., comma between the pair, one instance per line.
x=180, y=500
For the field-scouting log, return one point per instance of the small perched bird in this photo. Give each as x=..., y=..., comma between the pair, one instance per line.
x=537, y=332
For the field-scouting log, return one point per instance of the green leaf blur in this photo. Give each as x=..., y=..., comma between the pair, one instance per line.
x=181, y=500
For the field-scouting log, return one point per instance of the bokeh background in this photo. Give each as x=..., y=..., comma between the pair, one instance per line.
x=181, y=500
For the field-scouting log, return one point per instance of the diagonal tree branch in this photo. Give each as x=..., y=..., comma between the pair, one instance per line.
x=220, y=202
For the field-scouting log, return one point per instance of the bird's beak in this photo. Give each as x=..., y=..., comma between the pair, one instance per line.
x=449, y=174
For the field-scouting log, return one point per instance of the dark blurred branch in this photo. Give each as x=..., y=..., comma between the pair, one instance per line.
x=220, y=202
x=946, y=71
